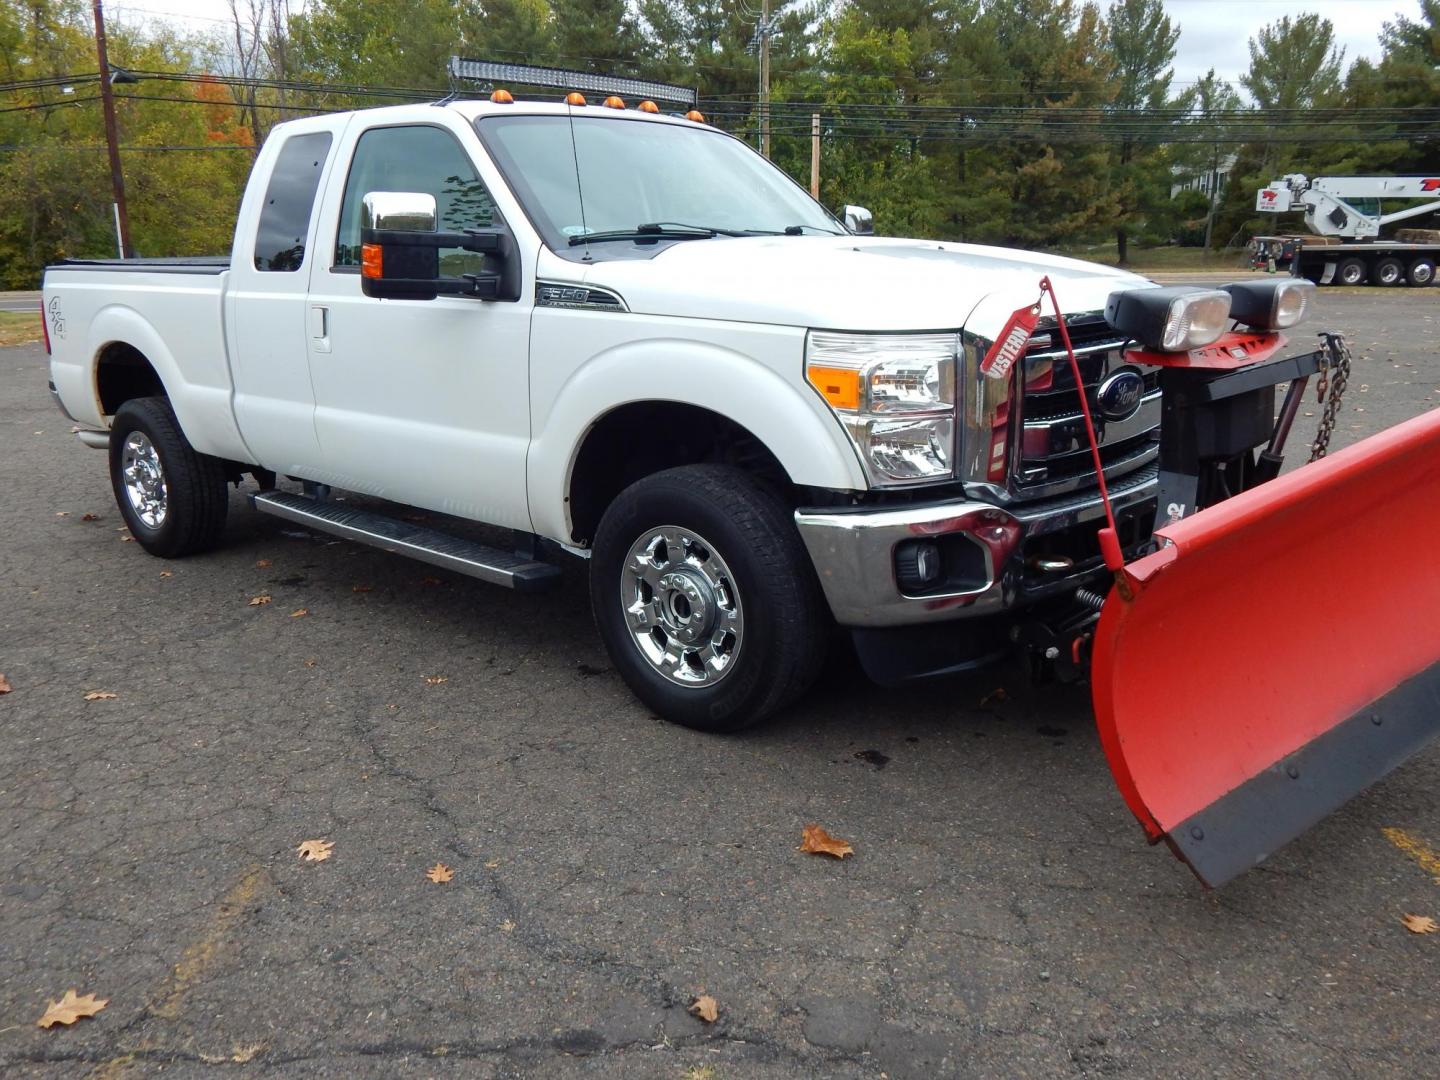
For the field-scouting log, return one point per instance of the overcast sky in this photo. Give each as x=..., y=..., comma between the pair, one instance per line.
x=1213, y=33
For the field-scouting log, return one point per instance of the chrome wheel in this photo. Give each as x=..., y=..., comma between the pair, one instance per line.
x=682, y=606
x=144, y=479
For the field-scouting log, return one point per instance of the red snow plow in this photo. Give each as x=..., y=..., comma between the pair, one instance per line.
x=1262, y=664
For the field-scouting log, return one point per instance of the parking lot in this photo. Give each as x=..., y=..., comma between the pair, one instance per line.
x=1001, y=915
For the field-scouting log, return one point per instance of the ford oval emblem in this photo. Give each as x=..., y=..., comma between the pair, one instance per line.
x=1120, y=394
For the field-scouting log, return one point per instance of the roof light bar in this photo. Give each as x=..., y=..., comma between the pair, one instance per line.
x=489, y=71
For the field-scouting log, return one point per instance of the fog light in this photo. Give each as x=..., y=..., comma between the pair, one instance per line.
x=917, y=565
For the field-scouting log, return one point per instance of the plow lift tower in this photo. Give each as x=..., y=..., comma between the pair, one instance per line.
x=1351, y=251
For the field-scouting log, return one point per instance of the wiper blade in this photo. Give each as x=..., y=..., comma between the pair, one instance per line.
x=653, y=231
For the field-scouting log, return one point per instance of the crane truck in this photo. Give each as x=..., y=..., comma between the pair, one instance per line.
x=624, y=338
x=1346, y=214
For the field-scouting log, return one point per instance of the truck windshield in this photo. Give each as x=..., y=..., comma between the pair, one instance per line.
x=634, y=173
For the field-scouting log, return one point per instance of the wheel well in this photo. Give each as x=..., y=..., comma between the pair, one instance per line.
x=123, y=373
x=636, y=440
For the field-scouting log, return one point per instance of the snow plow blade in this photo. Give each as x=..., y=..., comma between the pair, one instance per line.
x=1280, y=653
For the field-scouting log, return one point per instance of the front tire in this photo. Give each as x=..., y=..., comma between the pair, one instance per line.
x=706, y=599
x=173, y=498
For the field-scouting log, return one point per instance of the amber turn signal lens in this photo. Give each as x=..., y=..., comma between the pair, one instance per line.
x=696, y=115
x=839, y=386
x=372, y=260
x=502, y=97
x=613, y=102
x=649, y=106
x=574, y=98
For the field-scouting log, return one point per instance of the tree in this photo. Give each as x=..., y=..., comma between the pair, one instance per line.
x=1294, y=64
x=1142, y=47
x=1211, y=106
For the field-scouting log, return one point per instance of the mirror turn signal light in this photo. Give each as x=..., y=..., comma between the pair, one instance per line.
x=839, y=386
x=649, y=106
x=574, y=98
x=372, y=261
x=502, y=97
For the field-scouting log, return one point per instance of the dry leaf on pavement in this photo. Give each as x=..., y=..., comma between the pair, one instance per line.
x=256, y=601
x=492, y=864
x=309, y=663
x=315, y=850
x=91, y=517
x=361, y=588
x=100, y=695
x=261, y=564
x=167, y=573
x=299, y=612
x=816, y=841
x=436, y=680
x=5, y=686
x=706, y=1008
x=440, y=873
x=1420, y=924
x=70, y=1008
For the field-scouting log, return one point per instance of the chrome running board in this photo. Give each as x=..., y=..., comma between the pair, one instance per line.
x=403, y=538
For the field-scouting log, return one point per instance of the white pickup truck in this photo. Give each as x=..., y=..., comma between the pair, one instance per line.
x=628, y=338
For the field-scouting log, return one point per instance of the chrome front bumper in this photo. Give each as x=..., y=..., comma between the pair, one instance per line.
x=854, y=551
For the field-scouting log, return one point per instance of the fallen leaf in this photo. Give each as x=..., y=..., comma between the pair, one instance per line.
x=436, y=680
x=127, y=539
x=100, y=695
x=309, y=663
x=492, y=864
x=1420, y=924
x=256, y=601
x=440, y=873
x=261, y=564
x=90, y=517
x=243, y=1054
x=299, y=612
x=994, y=697
x=816, y=841
x=361, y=588
x=70, y=1008
x=429, y=581
x=507, y=926
x=62, y=513
x=314, y=850
x=706, y=1008
x=5, y=686
x=167, y=573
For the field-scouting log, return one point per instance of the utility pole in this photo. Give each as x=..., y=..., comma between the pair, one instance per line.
x=815, y=156
x=765, y=77
x=112, y=141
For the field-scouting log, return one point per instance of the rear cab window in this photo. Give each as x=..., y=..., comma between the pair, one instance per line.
x=290, y=202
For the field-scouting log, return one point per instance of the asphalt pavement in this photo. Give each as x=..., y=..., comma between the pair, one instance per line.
x=1001, y=915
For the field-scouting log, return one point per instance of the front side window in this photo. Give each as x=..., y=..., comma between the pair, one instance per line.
x=416, y=158
x=289, y=201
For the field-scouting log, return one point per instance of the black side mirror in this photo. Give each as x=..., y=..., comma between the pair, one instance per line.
x=400, y=252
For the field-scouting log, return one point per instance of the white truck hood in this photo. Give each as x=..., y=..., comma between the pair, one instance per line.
x=850, y=282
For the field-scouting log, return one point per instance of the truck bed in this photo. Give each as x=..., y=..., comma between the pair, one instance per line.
x=183, y=264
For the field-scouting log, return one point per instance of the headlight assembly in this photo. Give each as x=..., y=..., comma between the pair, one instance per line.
x=895, y=394
x=1270, y=305
x=1174, y=319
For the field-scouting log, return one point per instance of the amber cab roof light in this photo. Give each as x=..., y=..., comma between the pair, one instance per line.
x=502, y=97
x=613, y=102
x=574, y=98
x=649, y=106
x=696, y=115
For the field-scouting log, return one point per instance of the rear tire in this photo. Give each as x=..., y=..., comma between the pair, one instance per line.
x=1421, y=273
x=706, y=599
x=1351, y=271
x=173, y=498
x=1388, y=271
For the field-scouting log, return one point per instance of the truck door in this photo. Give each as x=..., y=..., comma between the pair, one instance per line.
x=265, y=298
x=424, y=402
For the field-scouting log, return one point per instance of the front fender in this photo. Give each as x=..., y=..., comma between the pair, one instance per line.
x=789, y=419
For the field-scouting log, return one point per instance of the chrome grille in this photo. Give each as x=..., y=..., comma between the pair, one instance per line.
x=1053, y=453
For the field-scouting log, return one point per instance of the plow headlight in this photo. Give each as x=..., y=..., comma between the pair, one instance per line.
x=1172, y=319
x=1270, y=305
x=895, y=396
